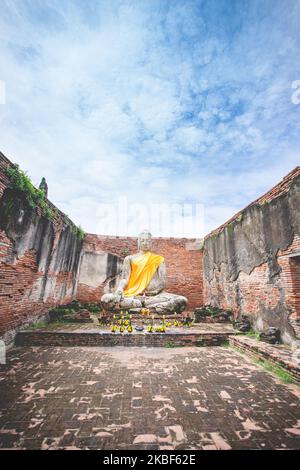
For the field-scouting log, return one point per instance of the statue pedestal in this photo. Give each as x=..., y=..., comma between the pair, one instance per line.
x=164, y=303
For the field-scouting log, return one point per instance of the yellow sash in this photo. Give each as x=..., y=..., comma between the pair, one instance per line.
x=143, y=268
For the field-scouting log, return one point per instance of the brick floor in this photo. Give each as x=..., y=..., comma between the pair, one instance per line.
x=144, y=398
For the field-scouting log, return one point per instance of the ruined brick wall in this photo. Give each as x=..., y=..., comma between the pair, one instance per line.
x=247, y=262
x=290, y=280
x=39, y=259
x=103, y=256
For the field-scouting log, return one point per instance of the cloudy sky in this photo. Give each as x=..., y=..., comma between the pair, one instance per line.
x=128, y=105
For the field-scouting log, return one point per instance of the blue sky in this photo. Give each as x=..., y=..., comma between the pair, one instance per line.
x=158, y=101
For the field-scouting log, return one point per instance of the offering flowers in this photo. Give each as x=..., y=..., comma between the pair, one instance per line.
x=114, y=325
x=150, y=328
x=129, y=327
x=160, y=329
x=145, y=311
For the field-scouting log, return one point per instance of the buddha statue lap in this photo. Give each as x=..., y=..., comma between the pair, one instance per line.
x=142, y=283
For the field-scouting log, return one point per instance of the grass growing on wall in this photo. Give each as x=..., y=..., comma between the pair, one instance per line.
x=36, y=197
x=125, y=251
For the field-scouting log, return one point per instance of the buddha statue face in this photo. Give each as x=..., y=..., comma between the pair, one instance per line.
x=145, y=241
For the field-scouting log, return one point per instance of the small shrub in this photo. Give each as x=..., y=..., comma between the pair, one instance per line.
x=253, y=334
x=80, y=233
x=35, y=197
x=125, y=251
x=170, y=344
x=264, y=202
x=37, y=325
x=93, y=308
x=63, y=310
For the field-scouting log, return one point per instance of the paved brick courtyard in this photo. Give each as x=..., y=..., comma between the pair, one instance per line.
x=138, y=398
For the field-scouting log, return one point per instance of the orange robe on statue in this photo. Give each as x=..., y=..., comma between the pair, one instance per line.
x=143, y=268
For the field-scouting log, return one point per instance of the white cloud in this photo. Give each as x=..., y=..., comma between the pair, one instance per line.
x=192, y=139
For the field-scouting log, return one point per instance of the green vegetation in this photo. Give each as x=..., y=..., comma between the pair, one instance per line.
x=39, y=325
x=63, y=310
x=213, y=311
x=253, y=334
x=276, y=370
x=62, y=314
x=78, y=232
x=170, y=344
x=279, y=371
x=240, y=217
x=92, y=307
x=230, y=227
x=125, y=251
x=36, y=326
x=263, y=202
x=36, y=197
x=69, y=312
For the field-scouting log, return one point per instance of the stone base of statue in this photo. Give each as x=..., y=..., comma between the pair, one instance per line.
x=163, y=303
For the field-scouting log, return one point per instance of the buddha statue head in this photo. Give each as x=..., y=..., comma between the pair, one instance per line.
x=145, y=241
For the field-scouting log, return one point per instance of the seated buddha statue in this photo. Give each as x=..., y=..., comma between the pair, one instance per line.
x=142, y=283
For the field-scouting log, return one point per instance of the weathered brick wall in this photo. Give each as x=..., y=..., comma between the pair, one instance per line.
x=246, y=263
x=183, y=260
x=290, y=280
x=39, y=260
